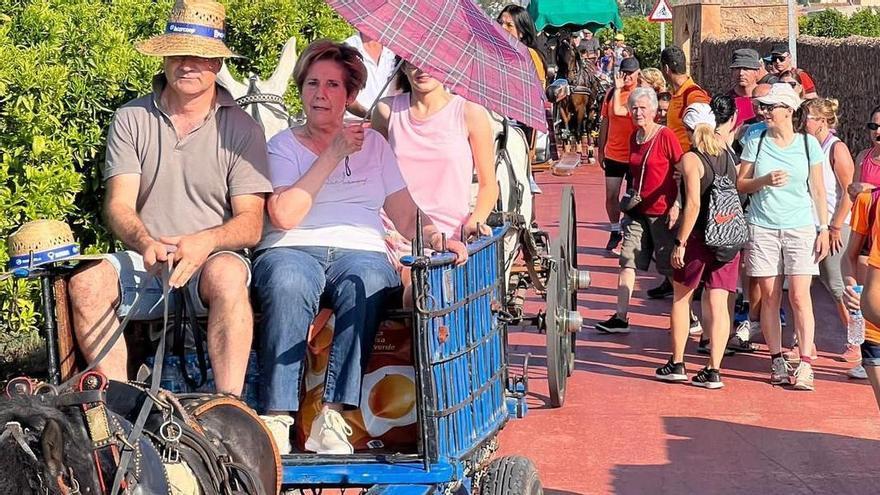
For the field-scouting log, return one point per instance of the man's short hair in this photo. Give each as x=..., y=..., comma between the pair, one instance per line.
x=673, y=58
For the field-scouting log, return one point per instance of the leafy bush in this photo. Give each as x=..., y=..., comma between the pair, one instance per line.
x=65, y=66
x=643, y=36
x=831, y=23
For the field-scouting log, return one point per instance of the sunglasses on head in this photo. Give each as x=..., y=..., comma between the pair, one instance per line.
x=871, y=126
x=778, y=58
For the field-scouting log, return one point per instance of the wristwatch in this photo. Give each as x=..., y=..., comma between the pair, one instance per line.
x=679, y=243
x=822, y=228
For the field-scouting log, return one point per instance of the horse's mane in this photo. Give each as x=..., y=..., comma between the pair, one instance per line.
x=19, y=472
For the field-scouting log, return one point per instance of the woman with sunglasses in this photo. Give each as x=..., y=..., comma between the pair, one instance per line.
x=819, y=119
x=867, y=175
x=793, y=79
x=782, y=170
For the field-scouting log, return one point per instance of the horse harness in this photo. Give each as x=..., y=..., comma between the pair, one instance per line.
x=256, y=97
x=135, y=428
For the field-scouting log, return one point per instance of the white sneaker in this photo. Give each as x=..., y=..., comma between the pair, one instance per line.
x=803, y=377
x=329, y=434
x=857, y=373
x=279, y=426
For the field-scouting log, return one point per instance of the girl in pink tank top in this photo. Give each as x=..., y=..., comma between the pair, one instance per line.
x=440, y=140
x=868, y=172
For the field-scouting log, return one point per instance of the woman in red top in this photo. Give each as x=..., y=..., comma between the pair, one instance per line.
x=647, y=228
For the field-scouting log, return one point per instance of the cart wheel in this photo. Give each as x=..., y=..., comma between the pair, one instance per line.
x=511, y=475
x=562, y=317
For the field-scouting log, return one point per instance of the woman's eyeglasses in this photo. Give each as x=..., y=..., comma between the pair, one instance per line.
x=872, y=126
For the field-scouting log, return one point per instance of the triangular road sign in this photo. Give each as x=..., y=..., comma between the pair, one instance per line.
x=661, y=12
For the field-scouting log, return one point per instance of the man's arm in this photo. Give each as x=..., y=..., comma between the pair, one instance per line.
x=120, y=215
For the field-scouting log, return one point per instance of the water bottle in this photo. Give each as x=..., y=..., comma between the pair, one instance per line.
x=855, y=331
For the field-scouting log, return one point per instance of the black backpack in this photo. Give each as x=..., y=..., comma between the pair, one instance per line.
x=727, y=231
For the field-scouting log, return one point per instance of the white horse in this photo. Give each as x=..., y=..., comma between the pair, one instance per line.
x=263, y=99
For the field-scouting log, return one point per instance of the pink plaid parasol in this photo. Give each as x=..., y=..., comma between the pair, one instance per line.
x=454, y=41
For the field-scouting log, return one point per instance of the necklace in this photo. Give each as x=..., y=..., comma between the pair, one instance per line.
x=646, y=137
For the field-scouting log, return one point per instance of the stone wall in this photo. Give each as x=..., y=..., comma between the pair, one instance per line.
x=842, y=68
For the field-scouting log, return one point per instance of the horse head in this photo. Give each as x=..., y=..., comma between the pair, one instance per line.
x=43, y=451
x=263, y=99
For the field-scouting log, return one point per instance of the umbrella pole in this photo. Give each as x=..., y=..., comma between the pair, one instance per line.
x=382, y=91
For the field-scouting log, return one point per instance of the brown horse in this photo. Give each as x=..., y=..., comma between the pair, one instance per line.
x=579, y=112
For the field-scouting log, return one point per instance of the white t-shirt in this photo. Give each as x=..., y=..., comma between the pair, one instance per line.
x=377, y=73
x=345, y=213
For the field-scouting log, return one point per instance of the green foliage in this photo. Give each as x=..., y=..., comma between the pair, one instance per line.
x=642, y=35
x=831, y=23
x=65, y=66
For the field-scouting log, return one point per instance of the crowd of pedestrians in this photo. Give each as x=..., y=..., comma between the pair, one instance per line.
x=738, y=199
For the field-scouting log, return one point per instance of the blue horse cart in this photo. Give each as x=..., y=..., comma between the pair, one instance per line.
x=465, y=391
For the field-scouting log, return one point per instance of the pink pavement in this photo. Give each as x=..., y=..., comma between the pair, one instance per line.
x=622, y=432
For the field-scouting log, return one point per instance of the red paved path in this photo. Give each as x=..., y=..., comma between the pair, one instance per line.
x=622, y=432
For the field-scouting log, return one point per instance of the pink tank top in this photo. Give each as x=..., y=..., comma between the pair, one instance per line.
x=435, y=160
x=870, y=170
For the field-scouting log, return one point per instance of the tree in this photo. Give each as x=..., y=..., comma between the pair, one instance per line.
x=642, y=35
x=831, y=23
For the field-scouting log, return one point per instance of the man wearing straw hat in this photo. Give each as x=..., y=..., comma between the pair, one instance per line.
x=186, y=176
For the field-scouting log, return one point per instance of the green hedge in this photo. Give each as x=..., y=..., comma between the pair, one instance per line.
x=832, y=23
x=65, y=66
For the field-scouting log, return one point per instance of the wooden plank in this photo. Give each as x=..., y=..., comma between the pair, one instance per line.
x=67, y=355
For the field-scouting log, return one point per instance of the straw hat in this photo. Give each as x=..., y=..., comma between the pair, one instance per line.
x=196, y=28
x=41, y=241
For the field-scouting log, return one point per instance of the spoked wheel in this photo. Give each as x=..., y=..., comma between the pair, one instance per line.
x=562, y=317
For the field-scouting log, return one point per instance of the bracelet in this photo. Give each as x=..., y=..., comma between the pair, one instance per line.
x=832, y=227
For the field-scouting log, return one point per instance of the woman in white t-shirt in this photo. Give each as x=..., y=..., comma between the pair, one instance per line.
x=819, y=119
x=325, y=243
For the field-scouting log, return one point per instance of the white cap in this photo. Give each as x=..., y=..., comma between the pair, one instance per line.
x=698, y=113
x=781, y=94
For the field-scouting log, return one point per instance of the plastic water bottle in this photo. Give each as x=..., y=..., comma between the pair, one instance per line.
x=855, y=331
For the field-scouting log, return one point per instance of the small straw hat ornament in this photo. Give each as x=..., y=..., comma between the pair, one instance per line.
x=195, y=28
x=39, y=242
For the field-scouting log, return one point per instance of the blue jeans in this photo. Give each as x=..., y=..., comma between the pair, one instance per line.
x=290, y=284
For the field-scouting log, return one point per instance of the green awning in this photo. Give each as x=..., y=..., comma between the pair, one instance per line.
x=551, y=15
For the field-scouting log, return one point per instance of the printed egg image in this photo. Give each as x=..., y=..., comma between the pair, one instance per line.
x=392, y=397
x=388, y=399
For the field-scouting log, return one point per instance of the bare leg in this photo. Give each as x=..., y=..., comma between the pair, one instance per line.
x=771, y=297
x=719, y=326
x=612, y=198
x=679, y=318
x=625, y=283
x=802, y=307
x=754, y=289
x=223, y=287
x=94, y=296
x=406, y=282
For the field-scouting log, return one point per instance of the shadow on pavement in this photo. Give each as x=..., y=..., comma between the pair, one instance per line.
x=718, y=457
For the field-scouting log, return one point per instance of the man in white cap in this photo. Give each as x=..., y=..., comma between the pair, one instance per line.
x=186, y=177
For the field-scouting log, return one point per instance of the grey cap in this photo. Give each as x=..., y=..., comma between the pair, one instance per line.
x=630, y=64
x=746, y=58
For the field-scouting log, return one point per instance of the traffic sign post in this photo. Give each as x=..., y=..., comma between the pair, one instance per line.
x=661, y=13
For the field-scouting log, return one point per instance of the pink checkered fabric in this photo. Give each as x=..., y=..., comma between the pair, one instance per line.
x=454, y=41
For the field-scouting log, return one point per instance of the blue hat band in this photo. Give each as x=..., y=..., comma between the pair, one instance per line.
x=195, y=30
x=31, y=260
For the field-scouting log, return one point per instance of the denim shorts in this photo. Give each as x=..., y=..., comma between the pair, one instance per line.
x=870, y=353
x=129, y=266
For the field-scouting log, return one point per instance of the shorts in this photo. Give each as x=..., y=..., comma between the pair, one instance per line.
x=701, y=265
x=773, y=252
x=870, y=353
x=645, y=238
x=129, y=266
x=614, y=168
x=829, y=268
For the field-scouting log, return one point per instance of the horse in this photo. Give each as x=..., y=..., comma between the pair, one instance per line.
x=579, y=111
x=70, y=439
x=263, y=100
